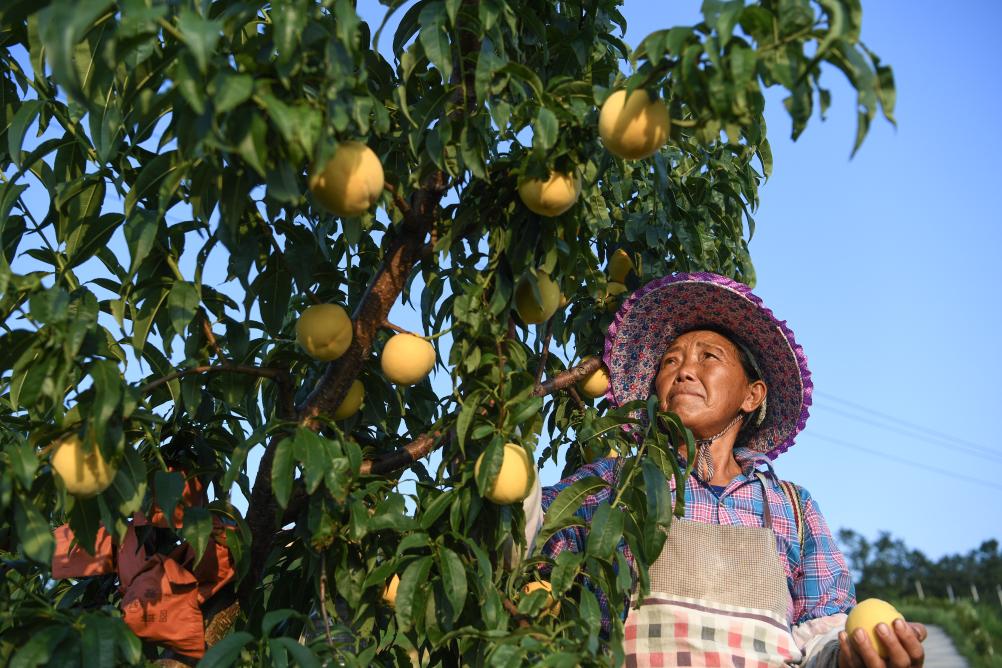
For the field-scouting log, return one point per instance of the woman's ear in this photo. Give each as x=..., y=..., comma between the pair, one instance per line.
x=755, y=396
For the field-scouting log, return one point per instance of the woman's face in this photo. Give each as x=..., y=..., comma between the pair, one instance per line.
x=702, y=381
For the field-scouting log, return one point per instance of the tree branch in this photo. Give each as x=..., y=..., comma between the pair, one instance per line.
x=403, y=252
x=568, y=378
x=260, y=371
x=398, y=459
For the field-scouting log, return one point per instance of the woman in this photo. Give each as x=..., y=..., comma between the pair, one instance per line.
x=772, y=586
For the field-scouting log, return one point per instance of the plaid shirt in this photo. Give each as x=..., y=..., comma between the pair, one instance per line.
x=816, y=573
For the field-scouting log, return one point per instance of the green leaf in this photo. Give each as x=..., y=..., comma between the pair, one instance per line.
x=568, y=501
x=181, y=305
x=232, y=90
x=107, y=397
x=289, y=20
x=169, y=486
x=97, y=646
x=61, y=26
x=89, y=236
x=605, y=532
x=454, y=579
x=301, y=656
x=33, y=532
x=22, y=120
x=226, y=652
x=200, y=34
x=273, y=288
x=197, y=530
x=140, y=235
x=545, y=130
x=434, y=38
x=466, y=414
x=23, y=461
x=414, y=578
x=310, y=449
x=40, y=645
x=283, y=469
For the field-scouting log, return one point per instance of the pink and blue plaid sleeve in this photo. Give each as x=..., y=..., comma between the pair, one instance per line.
x=823, y=585
x=574, y=538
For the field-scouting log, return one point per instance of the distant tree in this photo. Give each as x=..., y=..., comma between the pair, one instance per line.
x=887, y=568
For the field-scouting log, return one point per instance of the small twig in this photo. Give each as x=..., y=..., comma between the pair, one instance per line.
x=576, y=397
x=210, y=336
x=546, y=351
x=389, y=325
x=501, y=363
x=323, y=599
x=398, y=199
x=684, y=123
x=512, y=609
x=261, y=372
x=569, y=378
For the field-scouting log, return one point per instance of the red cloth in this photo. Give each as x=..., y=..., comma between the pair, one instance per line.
x=216, y=569
x=161, y=605
x=132, y=559
x=73, y=561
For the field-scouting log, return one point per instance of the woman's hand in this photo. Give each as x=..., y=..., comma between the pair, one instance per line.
x=903, y=643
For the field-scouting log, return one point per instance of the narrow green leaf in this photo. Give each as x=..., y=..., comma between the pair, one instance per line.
x=33, y=532
x=197, y=530
x=301, y=656
x=231, y=90
x=61, y=26
x=40, y=645
x=605, y=532
x=91, y=234
x=182, y=303
x=434, y=38
x=169, y=486
x=19, y=125
x=414, y=578
x=225, y=652
x=283, y=468
x=545, y=130
x=569, y=500
x=200, y=34
x=454, y=579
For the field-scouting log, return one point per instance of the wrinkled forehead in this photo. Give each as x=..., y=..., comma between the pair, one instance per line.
x=702, y=337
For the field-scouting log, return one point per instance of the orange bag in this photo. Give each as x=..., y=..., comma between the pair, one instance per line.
x=216, y=569
x=132, y=559
x=73, y=561
x=161, y=605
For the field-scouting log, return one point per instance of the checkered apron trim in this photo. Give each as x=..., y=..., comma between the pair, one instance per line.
x=718, y=598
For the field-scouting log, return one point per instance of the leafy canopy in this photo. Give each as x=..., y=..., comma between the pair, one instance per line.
x=146, y=146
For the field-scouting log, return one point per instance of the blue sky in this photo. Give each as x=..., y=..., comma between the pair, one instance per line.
x=884, y=266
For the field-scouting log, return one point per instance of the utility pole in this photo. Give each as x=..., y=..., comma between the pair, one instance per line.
x=949, y=592
x=974, y=593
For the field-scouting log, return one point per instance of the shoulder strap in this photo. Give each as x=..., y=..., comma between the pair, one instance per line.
x=793, y=494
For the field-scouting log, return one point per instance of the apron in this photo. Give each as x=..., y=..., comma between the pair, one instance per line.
x=718, y=598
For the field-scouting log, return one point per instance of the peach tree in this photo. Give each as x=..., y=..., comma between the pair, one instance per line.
x=159, y=240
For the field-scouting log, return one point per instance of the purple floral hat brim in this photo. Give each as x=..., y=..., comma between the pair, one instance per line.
x=653, y=316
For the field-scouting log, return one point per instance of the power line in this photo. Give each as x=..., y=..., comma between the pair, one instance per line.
x=911, y=425
x=987, y=454
x=902, y=460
